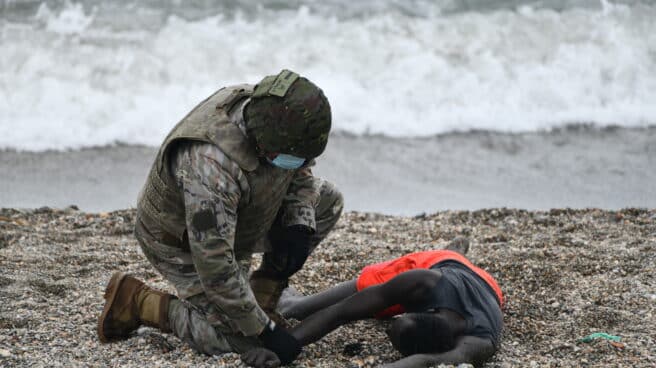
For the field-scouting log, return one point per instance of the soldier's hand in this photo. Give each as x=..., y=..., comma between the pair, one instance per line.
x=281, y=342
x=260, y=358
x=297, y=240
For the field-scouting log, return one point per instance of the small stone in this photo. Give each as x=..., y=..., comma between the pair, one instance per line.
x=5, y=353
x=352, y=349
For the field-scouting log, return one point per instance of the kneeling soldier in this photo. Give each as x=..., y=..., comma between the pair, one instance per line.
x=231, y=179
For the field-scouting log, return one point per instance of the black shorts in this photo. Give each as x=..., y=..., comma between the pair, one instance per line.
x=464, y=292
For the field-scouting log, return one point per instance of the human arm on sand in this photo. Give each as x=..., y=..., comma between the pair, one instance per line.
x=469, y=349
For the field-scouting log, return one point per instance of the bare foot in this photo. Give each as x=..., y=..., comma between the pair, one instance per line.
x=459, y=244
x=288, y=301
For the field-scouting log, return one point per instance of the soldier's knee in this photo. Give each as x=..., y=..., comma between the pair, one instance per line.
x=332, y=201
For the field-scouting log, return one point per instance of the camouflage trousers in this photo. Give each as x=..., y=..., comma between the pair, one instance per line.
x=201, y=324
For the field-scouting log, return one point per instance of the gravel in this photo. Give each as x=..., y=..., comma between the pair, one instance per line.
x=565, y=274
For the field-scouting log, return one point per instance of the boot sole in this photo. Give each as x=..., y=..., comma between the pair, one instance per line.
x=110, y=294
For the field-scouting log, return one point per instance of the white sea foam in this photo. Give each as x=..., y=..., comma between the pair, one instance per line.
x=69, y=80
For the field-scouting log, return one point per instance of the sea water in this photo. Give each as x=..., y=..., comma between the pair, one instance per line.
x=86, y=73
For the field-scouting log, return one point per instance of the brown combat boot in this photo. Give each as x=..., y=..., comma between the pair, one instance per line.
x=129, y=303
x=267, y=291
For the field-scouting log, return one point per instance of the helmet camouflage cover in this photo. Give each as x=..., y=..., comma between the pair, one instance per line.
x=288, y=114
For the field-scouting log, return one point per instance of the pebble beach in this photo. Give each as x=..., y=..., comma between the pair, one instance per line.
x=566, y=274
x=527, y=128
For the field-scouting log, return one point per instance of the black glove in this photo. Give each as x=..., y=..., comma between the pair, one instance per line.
x=281, y=342
x=291, y=247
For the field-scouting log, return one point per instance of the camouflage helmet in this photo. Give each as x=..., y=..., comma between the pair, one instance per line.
x=288, y=114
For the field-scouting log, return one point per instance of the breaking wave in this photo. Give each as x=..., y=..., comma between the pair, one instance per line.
x=86, y=74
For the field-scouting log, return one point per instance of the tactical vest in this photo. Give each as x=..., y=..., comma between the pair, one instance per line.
x=161, y=201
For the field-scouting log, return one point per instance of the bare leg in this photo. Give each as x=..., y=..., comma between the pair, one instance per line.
x=409, y=287
x=299, y=306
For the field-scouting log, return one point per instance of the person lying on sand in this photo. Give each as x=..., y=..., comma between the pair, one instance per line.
x=448, y=310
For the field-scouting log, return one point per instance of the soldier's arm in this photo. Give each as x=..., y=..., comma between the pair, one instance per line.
x=212, y=186
x=301, y=200
x=294, y=237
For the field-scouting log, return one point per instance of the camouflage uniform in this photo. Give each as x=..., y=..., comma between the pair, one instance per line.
x=208, y=260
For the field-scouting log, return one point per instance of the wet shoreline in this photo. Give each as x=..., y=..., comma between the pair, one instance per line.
x=579, y=167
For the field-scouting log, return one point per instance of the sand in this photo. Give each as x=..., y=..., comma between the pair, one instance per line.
x=565, y=274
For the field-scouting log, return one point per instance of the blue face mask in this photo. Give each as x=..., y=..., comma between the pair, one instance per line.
x=287, y=162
